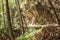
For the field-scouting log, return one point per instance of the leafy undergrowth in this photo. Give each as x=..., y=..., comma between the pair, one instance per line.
x=48, y=33
x=28, y=36
x=4, y=33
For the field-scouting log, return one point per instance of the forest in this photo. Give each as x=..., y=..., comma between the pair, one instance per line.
x=29, y=19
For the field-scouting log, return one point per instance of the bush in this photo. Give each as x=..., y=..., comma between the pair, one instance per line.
x=28, y=36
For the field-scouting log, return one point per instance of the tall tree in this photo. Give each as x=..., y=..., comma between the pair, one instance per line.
x=21, y=17
x=9, y=21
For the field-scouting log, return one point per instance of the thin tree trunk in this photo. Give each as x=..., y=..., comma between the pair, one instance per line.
x=21, y=17
x=54, y=11
x=9, y=21
x=3, y=19
x=3, y=13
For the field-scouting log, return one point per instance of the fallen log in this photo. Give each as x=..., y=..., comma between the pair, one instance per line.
x=30, y=25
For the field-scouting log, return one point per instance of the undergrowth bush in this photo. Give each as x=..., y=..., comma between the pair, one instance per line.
x=28, y=36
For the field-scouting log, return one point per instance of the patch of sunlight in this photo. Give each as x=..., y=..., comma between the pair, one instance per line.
x=22, y=4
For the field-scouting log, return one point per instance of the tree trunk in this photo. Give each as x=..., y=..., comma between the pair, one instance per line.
x=9, y=21
x=3, y=13
x=21, y=17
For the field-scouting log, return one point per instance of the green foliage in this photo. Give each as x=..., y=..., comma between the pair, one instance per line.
x=28, y=36
x=21, y=38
